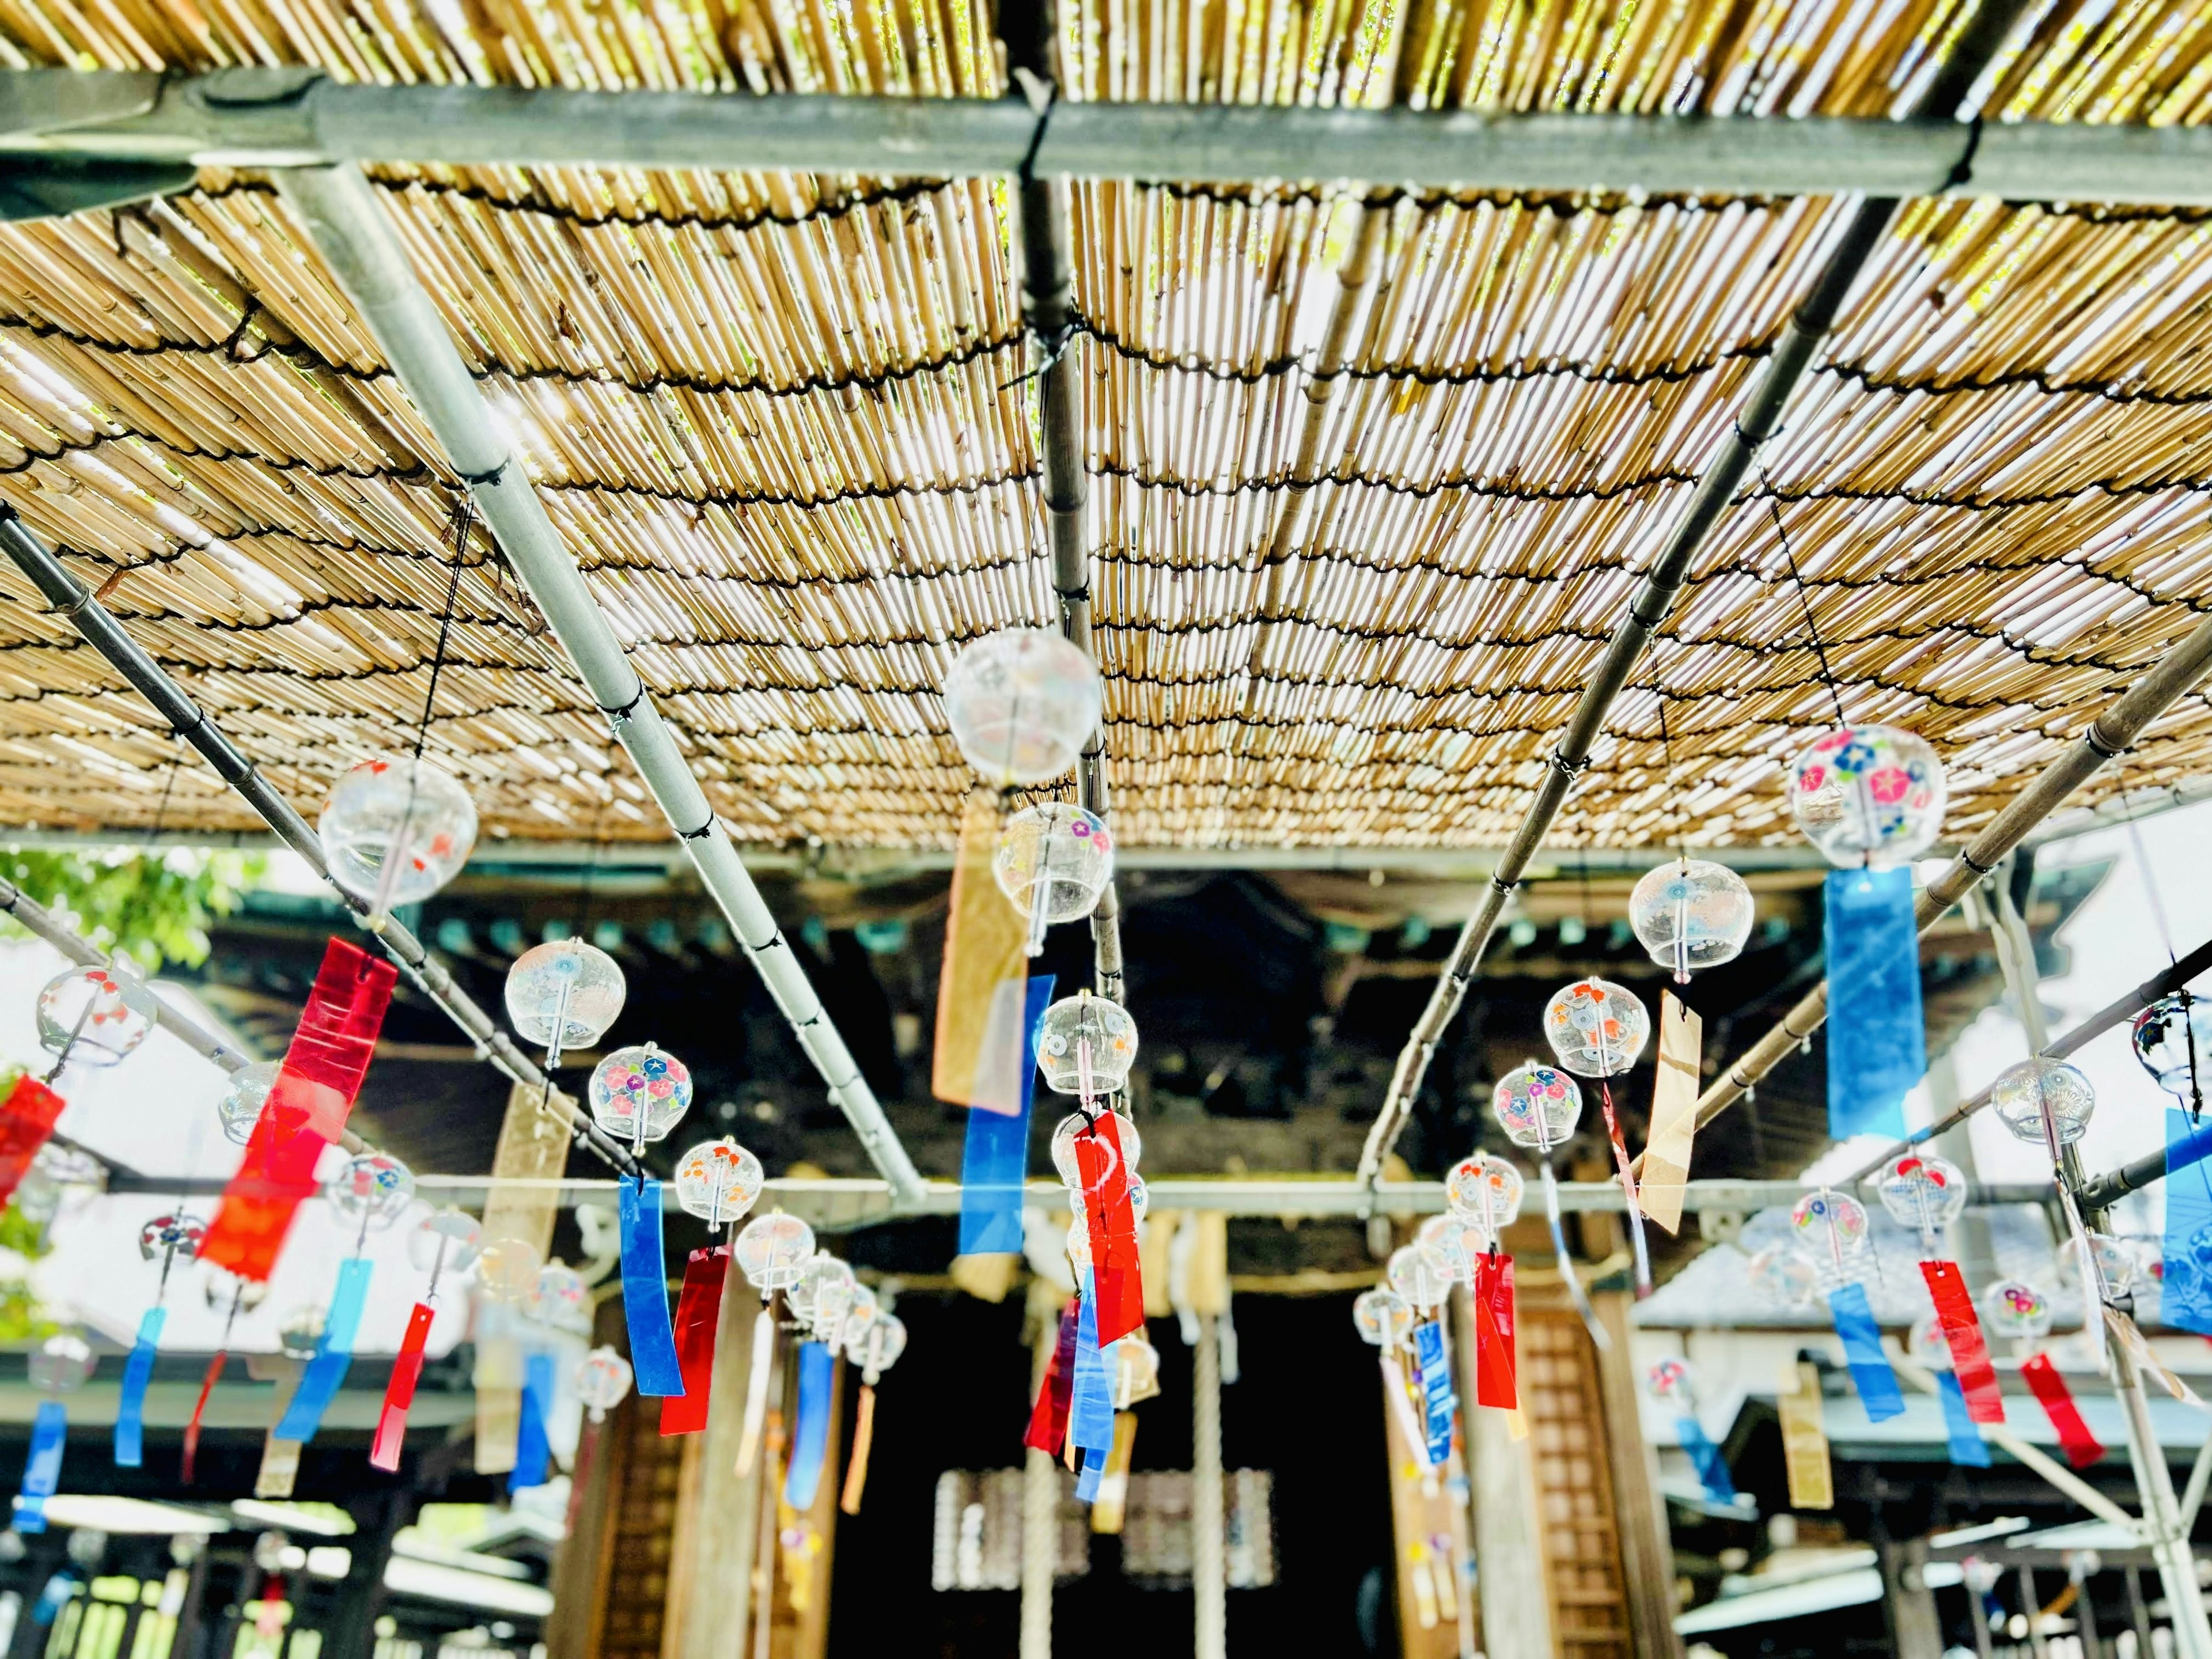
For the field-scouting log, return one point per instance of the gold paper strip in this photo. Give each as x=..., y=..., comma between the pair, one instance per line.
x=985, y=974
x=1673, y=1113
x=1805, y=1444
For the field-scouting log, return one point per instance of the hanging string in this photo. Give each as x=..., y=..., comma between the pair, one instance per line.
x=1804, y=600
x=1667, y=759
x=465, y=513
x=168, y=788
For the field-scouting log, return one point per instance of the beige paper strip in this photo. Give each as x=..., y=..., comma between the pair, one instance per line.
x=1673, y=1113
x=1106, y=1513
x=280, y=1459
x=534, y=1148
x=1805, y=1444
x=2130, y=1336
x=985, y=952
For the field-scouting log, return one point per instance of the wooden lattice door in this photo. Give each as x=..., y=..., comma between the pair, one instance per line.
x=1574, y=1484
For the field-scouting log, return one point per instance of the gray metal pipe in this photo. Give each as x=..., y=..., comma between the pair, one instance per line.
x=1664, y=581
x=188, y=720
x=276, y=117
x=348, y=225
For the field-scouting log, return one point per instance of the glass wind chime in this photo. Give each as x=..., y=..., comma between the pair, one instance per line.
x=1832, y=1231
x=165, y=1238
x=2047, y=1103
x=2018, y=1312
x=92, y=1017
x=1689, y=915
x=1926, y=1194
x=1673, y=1384
x=1538, y=1107
x=1871, y=799
x=1598, y=1030
x=63, y=1363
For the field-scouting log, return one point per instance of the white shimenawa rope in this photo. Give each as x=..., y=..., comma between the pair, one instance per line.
x=1209, y=1557
x=1040, y=1526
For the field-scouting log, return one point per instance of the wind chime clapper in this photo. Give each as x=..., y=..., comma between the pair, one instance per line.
x=1598, y=1030
x=164, y=1239
x=63, y=1363
x=1538, y=1107
x=395, y=829
x=446, y=1241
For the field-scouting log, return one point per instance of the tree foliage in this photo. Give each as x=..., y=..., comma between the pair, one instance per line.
x=157, y=906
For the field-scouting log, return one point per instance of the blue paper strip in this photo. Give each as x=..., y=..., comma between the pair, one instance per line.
x=995, y=1161
x=1968, y=1449
x=1437, y=1396
x=645, y=1292
x=1877, y=1050
x=130, y=1415
x=42, y=1470
x=809, y=1439
x=326, y=1372
x=1712, y=1468
x=532, y=1453
x=1870, y=1372
x=2185, y=1297
x=1091, y=1412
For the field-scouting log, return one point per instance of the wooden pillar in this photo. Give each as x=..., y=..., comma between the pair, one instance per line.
x=793, y=1600
x=377, y=1520
x=1915, y=1631
x=1432, y=1608
x=1509, y=1543
x=1647, y=1549
x=710, y=1559
x=585, y=1564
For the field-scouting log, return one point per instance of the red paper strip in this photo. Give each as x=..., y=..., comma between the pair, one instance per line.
x=1962, y=1334
x=1493, y=1332
x=698, y=1319
x=1115, y=1264
x=2081, y=1448
x=306, y=1109
x=27, y=1118
x=199, y=1410
x=400, y=1392
x=1047, y=1430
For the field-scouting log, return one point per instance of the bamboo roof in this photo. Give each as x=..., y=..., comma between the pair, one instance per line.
x=786, y=425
